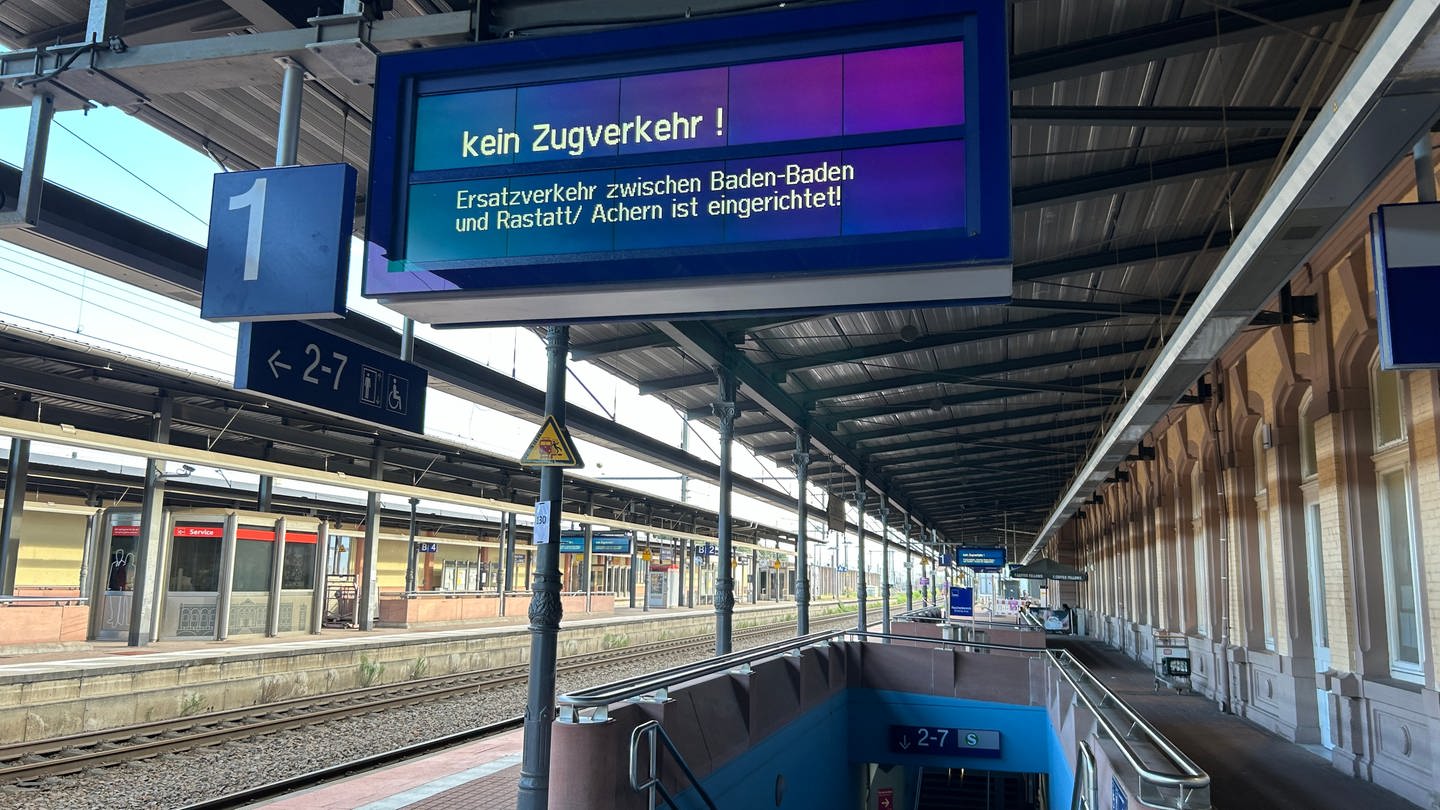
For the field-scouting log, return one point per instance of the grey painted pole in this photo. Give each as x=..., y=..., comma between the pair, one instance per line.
x=321, y=565
x=585, y=559
x=884, y=565
x=754, y=576
x=93, y=526
x=287, y=140
x=545, y=608
x=368, y=597
x=265, y=493
x=1424, y=155
x=634, y=566
x=727, y=410
x=277, y=580
x=150, y=545
x=860, y=556
x=227, y=577
x=16, y=475
x=410, y=548
x=909, y=568
x=802, y=542
x=935, y=572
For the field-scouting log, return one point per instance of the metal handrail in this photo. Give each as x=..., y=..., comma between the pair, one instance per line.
x=1083, y=796
x=657, y=683
x=1191, y=778
x=654, y=731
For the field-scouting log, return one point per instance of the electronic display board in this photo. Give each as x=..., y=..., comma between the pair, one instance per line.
x=808, y=159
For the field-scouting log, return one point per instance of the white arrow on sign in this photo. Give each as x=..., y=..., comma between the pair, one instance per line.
x=274, y=363
x=905, y=742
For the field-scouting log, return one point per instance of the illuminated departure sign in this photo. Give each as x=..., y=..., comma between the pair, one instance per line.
x=804, y=159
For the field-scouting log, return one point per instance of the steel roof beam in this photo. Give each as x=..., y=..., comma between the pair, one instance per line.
x=975, y=374
x=1147, y=175
x=851, y=413
x=1077, y=314
x=948, y=426
x=703, y=342
x=600, y=348
x=1197, y=32
x=1121, y=257
x=995, y=441
x=1246, y=117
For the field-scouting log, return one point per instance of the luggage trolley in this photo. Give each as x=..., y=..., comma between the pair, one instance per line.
x=1172, y=661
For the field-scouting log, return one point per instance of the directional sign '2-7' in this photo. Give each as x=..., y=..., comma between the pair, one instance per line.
x=279, y=244
x=309, y=366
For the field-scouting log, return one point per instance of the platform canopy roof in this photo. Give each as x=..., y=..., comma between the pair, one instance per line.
x=1145, y=136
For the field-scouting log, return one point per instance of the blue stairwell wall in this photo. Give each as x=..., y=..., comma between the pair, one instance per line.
x=817, y=756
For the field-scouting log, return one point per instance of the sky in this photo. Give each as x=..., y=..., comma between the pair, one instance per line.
x=118, y=160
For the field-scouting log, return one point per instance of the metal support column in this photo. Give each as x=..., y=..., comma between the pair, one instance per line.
x=94, y=524
x=802, y=542
x=17, y=473
x=277, y=573
x=150, y=545
x=506, y=569
x=909, y=568
x=322, y=564
x=227, y=576
x=884, y=564
x=754, y=577
x=634, y=566
x=934, y=571
x=368, y=600
x=727, y=410
x=645, y=558
x=105, y=19
x=265, y=493
x=586, y=554
x=287, y=137
x=1424, y=155
x=545, y=608
x=410, y=548
x=860, y=589
x=32, y=175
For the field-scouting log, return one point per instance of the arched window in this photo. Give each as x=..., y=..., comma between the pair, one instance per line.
x=1397, y=536
x=1262, y=533
x=1314, y=548
x=1309, y=465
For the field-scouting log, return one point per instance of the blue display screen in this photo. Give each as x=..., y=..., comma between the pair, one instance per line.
x=814, y=141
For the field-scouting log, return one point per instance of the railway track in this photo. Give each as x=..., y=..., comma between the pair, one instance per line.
x=25, y=762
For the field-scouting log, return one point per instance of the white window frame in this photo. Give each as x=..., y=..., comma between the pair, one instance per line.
x=1200, y=554
x=1262, y=538
x=1393, y=458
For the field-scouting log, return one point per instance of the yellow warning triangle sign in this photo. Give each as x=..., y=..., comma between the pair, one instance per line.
x=551, y=447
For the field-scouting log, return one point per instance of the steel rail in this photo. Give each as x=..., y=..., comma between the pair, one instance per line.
x=150, y=739
x=1191, y=777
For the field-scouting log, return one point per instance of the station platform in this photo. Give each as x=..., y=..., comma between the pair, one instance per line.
x=482, y=775
x=1249, y=767
x=95, y=685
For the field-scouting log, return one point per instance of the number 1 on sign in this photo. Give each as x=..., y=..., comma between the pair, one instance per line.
x=253, y=199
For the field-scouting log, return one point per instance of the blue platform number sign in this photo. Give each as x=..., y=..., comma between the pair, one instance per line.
x=1118, y=799
x=279, y=244
x=962, y=601
x=942, y=741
